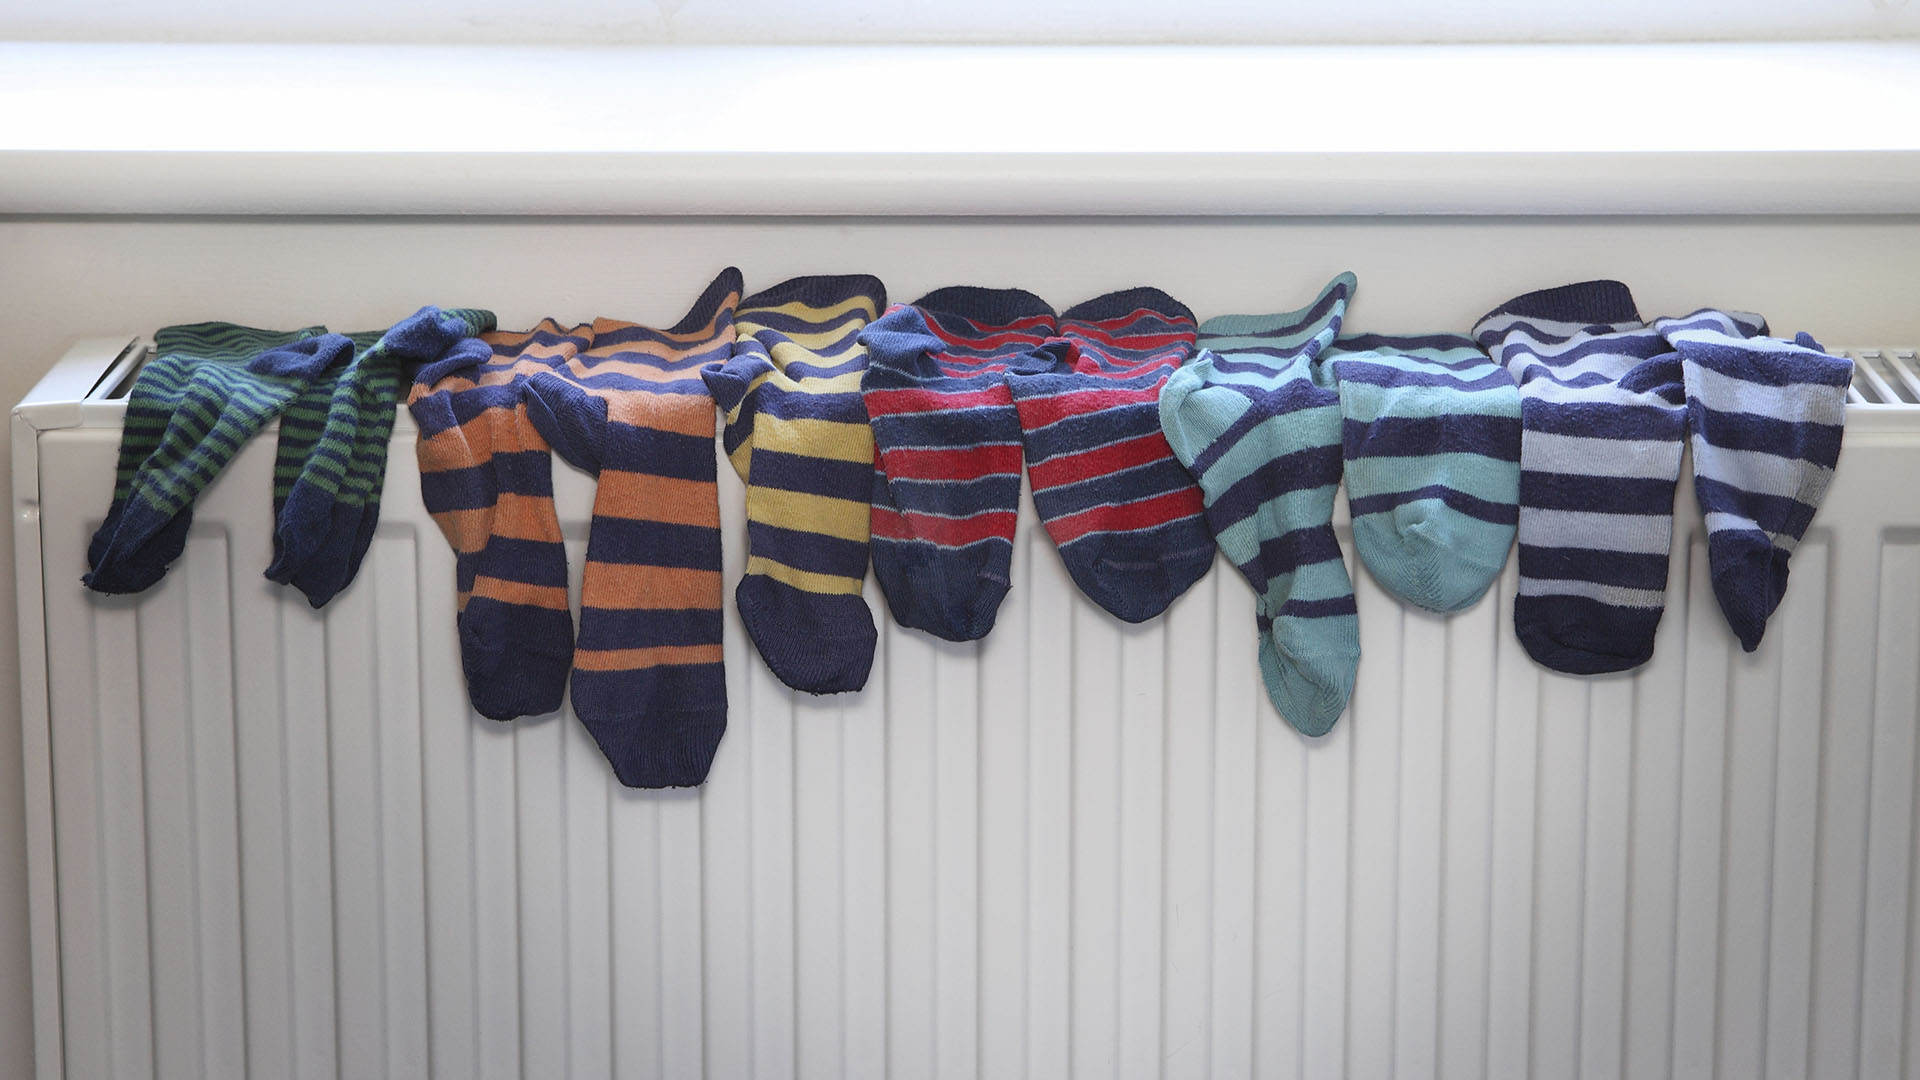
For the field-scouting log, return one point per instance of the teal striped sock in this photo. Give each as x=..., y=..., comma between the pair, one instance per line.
x=209, y=388
x=1258, y=424
x=1432, y=454
x=332, y=457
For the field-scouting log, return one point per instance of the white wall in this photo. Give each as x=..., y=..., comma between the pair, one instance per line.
x=1850, y=281
x=1007, y=21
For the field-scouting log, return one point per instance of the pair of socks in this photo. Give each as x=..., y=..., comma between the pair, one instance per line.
x=1608, y=401
x=212, y=386
x=627, y=403
x=796, y=431
x=963, y=385
x=1424, y=429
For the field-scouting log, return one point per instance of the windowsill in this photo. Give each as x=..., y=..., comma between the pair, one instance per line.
x=1513, y=129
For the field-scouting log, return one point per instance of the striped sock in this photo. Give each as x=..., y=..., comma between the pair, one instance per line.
x=947, y=492
x=1258, y=424
x=207, y=390
x=1602, y=418
x=1125, y=515
x=648, y=681
x=486, y=476
x=1766, y=418
x=332, y=456
x=1432, y=454
x=796, y=432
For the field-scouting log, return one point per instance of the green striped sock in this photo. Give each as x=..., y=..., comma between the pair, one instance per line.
x=1431, y=445
x=332, y=457
x=209, y=388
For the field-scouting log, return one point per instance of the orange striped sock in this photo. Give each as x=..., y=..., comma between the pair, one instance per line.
x=648, y=682
x=487, y=477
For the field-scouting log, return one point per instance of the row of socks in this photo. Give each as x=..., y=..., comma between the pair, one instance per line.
x=1425, y=431
x=210, y=387
x=1608, y=400
x=966, y=383
x=626, y=403
x=1148, y=441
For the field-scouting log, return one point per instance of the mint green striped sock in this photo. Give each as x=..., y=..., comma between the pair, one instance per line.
x=1431, y=446
x=208, y=389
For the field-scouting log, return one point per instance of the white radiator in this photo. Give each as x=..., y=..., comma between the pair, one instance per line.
x=271, y=842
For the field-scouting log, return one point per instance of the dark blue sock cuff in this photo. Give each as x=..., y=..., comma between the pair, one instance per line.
x=992, y=307
x=821, y=291
x=1125, y=302
x=1585, y=302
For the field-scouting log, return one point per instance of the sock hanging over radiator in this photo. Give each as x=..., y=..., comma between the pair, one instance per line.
x=648, y=682
x=1257, y=420
x=1124, y=514
x=946, y=492
x=1602, y=416
x=207, y=390
x=332, y=457
x=1432, y=457
x=1766, y=417
x=796, y=432
x=486, y=476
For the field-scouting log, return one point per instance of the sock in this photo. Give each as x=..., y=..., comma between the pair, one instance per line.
x=796, y=432
x=486, y=476
x=1602, y=416
x=648, y=681
x=207, y=390
x=1431, y=448
x=332, y=457
x=1766, y=417
x=947, y=486
x=1124, y=514
x=1256, y=419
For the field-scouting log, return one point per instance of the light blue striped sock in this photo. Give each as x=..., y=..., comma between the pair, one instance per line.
x=1766, y=417
x=1257, y=422
x=1432, y=450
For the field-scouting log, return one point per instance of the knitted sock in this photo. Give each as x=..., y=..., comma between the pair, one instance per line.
x=1602, y=416
x=1125, y=515
x=208, y=389
x=1766, y=418
x=947, y=493
x=486, y=476
x=648, y=682
x=796, y=432
x=1432, y=455
x=1258, y=424
x=332, y=457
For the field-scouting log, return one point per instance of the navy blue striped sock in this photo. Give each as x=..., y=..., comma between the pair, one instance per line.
x=1602, y=418
x=1766, y=417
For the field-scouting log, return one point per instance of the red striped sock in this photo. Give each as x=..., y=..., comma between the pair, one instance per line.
x=1125, y=515
x=947, y=490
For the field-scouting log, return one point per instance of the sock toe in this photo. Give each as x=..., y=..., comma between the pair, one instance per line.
x=815, y=643
x=1749, y=578
x=1417, y=563
x=1584, y=637
x=1310, y=688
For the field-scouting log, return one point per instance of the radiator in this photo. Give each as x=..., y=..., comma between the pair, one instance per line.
x=272, y=842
